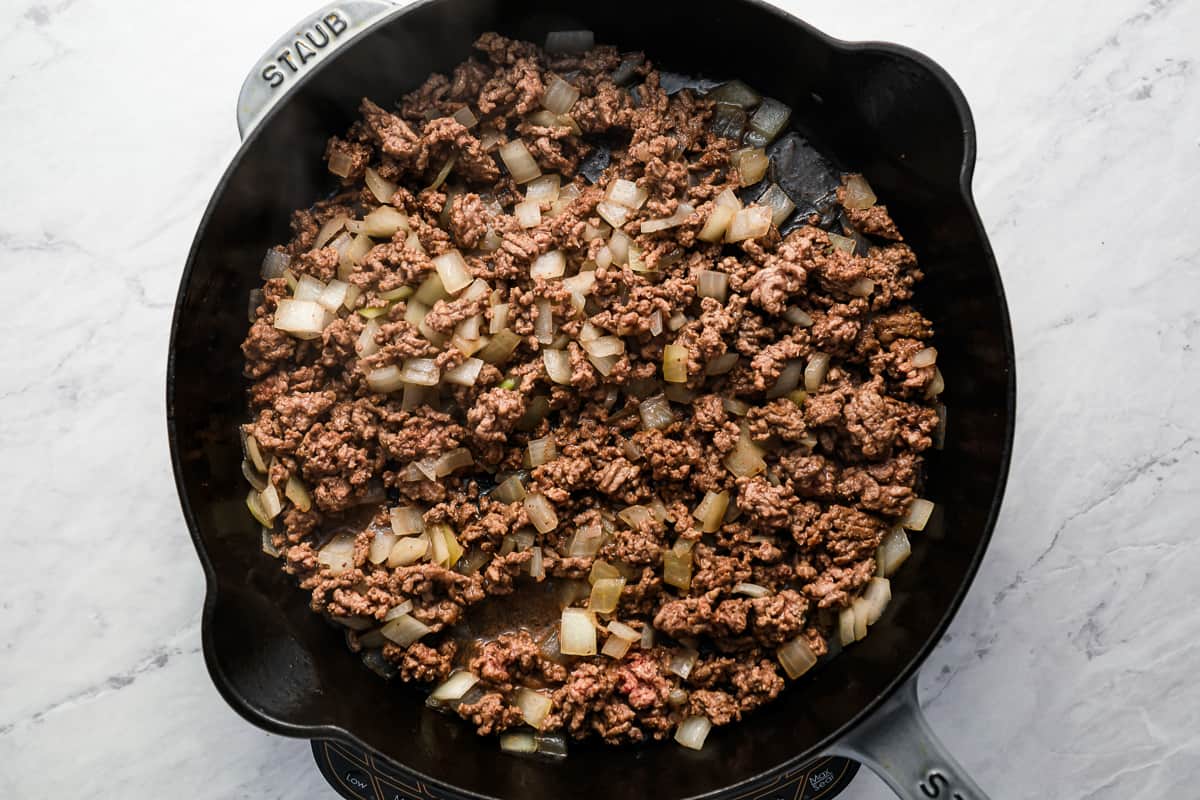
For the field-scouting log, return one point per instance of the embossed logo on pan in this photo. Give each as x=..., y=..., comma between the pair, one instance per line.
x=305, y=47
x=936, y=784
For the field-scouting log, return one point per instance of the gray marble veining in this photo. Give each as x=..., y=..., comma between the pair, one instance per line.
x=1071, y=671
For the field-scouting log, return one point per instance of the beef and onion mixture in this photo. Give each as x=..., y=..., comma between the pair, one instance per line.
x=592, y=399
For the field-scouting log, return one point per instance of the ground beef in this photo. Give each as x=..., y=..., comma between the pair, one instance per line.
x=353, y=441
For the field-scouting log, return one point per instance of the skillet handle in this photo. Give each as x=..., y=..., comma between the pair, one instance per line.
x=304, y=46
x=898, y=745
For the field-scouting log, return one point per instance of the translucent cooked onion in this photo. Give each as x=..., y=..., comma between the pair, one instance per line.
x=337, y=556
x=677, y=565
x=406, y=520
x=510, y=490
x=585, y=542
x=746, y=460
x=453, y=271
x=619, y=244
x=918, y=514
x=861, y=288
x=558, y=366
x=254, y=503
x=259, y=482
x=925, y=358
x=268, y=544
x=383, y=222
x=647, y=636
x=541, y=451
x=518, y=742
x=499, y=320
x=581, y=284
x=541, y=513
x=770, y=118
x=254, y=453
x=543, y=324
x=751, y=164
x=615, y=647
x=682, y=662
x=711, y=510
x=893, y=551
x=524, y=540
x=781, y=205
x=717, y=223
x=675, y=359
x=465, y=374
x=549, y=265
x=937, y=385
x=603, y=364
x=656, y=323
x=797, y=316
x=328, y=230
x=815, y=371
x=796, y=657
x=404, y=630
x=559, y=96
x=304, y=319
x=454, y=687
x=272, y=504
x=846, y=626
x=500, y=348
x=534, y=706
x=333, y=297
x=307, y=288
x=875, y=599
x=420, y=372
x=721, y=364
x=453, y=460
x=601, y=570
x=385, y=379
x=749, y=223
x=408, y=550
x=605, y=346
x=543, y=190
x=519, y=161
x=440, y=178
x=383, y=189
x=635, y=516
x=577, y=633
x=751, y=590
x=431, y=290
x=295, y=491
x=739, y=408
x=681, y=215
x=858, y=194
x=622, y=631
x=381, y=547
x=655, y=412
x=612, y=213
x=679, y=393
x=626, y=193
x=735, y=93
x=606, y=594
x=788, y=380
x=591, y=231
x=710, y=283
x=537, y=564
x=465, y=117
x=273, y=264
x=843, y=243
x=528, y=214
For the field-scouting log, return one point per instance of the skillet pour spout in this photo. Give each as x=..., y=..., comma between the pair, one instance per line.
x=889, y=111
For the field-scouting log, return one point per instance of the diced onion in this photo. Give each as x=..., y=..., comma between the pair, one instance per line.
x=739, y=408
x=858, y=194
x=681, y=215
x=405, y=607
x=383, y=189
x=655, y=412
x=541, y=513
x=304, y=319
x=601, y=570
x=338, y=554
x=559, y=96
x=717, y=223
x=254, y=454
x=677, y=565
x=781, y=205
x=333, y=296
x=874, y=600
x=385, y=379
x=558, y=366
x=528, y=214
x=751, y=164
x=406, y=520
x=861, y=287
x=796, y=657
x=381, y=547
x=925, y=358
x=465, y=117
x=770, y=118
x=520, y=163
x=541, y=451
x=735, y=93
x=615, y=647
x=308, y=288
x=543, y=324
x=518, y=742
x=682, y=662
x=465, y=374
x=918, y=515
x=525, y=539
x=937, y=385
x=606, y=594
x=622, y=631
x=420, y=372
x=585, y=542
x=499, y=319
x=534, y=706
x=268, y=544
x=404, y=630
x=453, y=460
x=626, y=193
x=454, y=687
x=543, y=190
x=635, y=516
x=619, y=244
x=612, y=213
x=577, y=633
x=605, y=346
x=581, y=284
x=843, y=243
x=297, y=493
x=431, y=290
x=749, y=223
x=675, y=358
x=721, y=364
x=711, y=510
x=751, y=590
x=789, y=379
x=656, y=323
x=537, y=567
x=647, y=636
x=271, y=502
x=510, y=490
x=798, y=316
x=383, y=222
x=453, y=272
x=746, y=459
x=274, y=263
x=893, y=551
x=710, y=283
x=549, y=265
x=603, y=364
x=259, y=482
x=327, y=231
x=409, y=550
x=815, y=371
x=846, y=626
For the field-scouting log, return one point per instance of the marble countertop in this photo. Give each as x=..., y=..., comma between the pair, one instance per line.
x=1071, y=670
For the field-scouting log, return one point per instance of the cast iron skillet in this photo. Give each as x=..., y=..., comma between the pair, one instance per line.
x=886, y=110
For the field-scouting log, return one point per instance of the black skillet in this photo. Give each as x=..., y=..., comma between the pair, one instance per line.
x=884, y=109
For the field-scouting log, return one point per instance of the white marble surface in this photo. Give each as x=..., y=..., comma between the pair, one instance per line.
x=1072, y=669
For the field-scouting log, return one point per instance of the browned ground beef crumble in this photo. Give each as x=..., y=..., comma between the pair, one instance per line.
x=842, y=463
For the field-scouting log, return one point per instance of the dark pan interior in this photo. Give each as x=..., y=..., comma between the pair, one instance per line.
x=877, y=108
